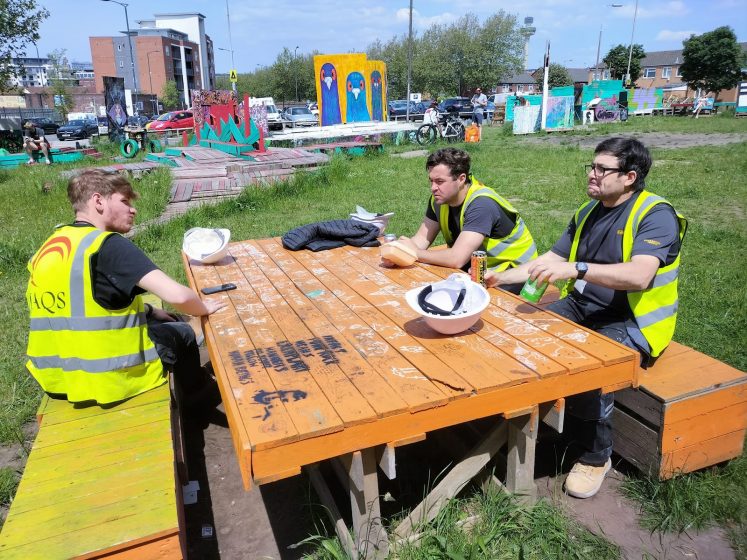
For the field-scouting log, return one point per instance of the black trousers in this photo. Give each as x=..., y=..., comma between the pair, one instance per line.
x=177, y=347
x=588, y=418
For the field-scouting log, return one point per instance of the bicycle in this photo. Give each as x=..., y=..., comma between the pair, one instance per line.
x=451, y=130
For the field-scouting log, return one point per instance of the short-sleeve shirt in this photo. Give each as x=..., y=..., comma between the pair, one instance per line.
x=35, y=133
x=483, y=215
x=117, y=268
x=601, y=243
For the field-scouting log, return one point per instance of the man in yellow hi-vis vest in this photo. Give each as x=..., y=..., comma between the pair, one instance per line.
x=471, y=217
x=92, y=338
x=619, y=258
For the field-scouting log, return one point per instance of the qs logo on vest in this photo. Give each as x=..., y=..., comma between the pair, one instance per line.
x=54, y=250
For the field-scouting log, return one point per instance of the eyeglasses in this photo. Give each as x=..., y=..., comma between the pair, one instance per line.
x=600, y=170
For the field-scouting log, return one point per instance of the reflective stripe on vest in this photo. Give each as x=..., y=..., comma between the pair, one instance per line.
x=76, y=347
x=515, y=248
x=655, y=308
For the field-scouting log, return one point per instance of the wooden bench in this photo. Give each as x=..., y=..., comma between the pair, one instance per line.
x=100, y=482
x=689, y=412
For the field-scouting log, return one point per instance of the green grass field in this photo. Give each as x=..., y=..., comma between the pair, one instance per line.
x=545, y=182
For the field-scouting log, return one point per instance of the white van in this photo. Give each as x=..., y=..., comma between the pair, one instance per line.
x=274, y=119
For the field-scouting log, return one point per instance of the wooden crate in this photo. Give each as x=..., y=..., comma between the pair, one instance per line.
x=689, y=412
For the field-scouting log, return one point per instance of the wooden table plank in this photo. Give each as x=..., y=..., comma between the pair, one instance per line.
x=481, y=363
x=265, y=307
x=417, y=391
x=380, y=395
x=240, y=379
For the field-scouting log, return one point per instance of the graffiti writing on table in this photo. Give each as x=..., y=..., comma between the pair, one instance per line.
x=286, y=356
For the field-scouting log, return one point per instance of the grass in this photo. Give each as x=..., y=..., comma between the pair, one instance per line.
x=9, y=480
x=546, y=182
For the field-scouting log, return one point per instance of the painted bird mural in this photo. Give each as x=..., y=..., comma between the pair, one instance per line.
x=330, y=106
x=377, y=96
x=356, y=97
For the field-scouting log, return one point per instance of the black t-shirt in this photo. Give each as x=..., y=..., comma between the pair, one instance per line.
x=601, y=243
x=117, y=268
x=484, y=215
x=35, y=133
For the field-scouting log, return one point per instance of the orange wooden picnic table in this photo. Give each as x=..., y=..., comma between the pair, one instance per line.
x=318, y=356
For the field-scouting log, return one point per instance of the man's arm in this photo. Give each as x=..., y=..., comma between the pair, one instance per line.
x=181, y=297
x=635, y=275
x=454, y=257
x=520, y=273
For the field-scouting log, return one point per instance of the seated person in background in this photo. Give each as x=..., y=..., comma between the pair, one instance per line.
x=92, y=338
x=620, y=259
x=471, y=217
x=33, y=139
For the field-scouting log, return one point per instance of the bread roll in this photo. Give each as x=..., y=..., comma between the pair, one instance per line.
x=398, y=253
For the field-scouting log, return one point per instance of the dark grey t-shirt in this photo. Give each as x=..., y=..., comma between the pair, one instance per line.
x=601, y=243
x=483, y=215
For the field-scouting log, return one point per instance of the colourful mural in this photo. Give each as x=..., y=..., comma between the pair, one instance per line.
x=645, y=99
x=559, y=113
x=350, y=88
x=527, y=119
x=223, y=124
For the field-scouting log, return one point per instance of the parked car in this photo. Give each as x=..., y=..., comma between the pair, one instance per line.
x=398, y=109
x=138, y=121
x=173, y=119
x=103, y=124
x=47, y=125
x=299, y=116
x=77, y=129
x=274, y=118
x=459, y=105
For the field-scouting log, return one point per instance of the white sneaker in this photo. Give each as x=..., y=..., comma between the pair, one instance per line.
x=585, y=480
x=30, y=161
x=49, y=161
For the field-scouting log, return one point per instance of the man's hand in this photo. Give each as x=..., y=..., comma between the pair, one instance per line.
x=214, y=305
x=551, y=271
x=161, y=315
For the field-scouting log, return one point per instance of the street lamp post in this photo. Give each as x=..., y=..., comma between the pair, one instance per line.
x=230, y=44
x=599, y=43
x=129, y=40
x=150, y=82
x=630, y=52
x=295, y=63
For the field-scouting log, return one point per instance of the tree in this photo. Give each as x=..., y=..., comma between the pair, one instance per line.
x=19, y=26
x=170, y=96
x=558, y=76
x=617, y=61
x=712, y=61
x=60, y=79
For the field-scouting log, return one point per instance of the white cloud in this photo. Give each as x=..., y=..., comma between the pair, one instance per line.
x=665, y=35
x=421, y=22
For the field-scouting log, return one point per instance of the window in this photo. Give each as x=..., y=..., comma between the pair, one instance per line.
x=649, y=72
x=530, y=87
x=119, y=48
x=505, y=88
x=678, y=74
x=167, y=50
x=520, y=87
x=121, y=64
x=666, y=72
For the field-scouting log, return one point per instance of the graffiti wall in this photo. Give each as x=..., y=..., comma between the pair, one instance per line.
x=645, y=99
x=559, y=112
x=116, y=106
x=527, y=119
x=350, y=88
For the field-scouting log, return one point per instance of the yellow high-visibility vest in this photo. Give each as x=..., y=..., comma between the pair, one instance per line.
x=77, y=347
x=655, y=308
x=507, y=252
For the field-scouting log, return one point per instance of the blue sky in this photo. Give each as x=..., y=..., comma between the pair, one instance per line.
x=261, y=28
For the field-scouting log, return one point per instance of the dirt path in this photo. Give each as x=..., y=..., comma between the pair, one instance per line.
x=650, y=139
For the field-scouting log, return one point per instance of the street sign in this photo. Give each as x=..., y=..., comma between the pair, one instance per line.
x=234, y=76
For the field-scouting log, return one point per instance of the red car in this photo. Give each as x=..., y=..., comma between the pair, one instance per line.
x=174, y=119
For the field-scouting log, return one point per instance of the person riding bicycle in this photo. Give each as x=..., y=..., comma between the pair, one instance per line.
x=471, y=217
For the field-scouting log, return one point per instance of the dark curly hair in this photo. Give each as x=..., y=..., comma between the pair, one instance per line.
x=458, y=161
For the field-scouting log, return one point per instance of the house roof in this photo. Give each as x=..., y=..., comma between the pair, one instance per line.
x=579, y=74
x=669, y=58
x=523, y=78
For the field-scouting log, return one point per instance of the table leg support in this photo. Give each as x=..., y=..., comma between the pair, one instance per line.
x=322, y=490
x=522, y=439
x=370, y=536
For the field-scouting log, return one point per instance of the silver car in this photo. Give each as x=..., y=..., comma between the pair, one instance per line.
x=299, y=116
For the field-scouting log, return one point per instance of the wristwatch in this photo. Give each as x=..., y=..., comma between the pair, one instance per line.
x=581, y=268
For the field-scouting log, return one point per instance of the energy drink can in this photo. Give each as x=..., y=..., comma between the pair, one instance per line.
x=389, y=237
x=532, y=291
x=478, y=267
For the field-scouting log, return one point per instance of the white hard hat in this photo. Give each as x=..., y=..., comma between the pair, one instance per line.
x=450, y=306
x=206, y=245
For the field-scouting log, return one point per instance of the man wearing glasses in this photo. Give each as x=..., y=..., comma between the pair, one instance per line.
x=619, y=258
